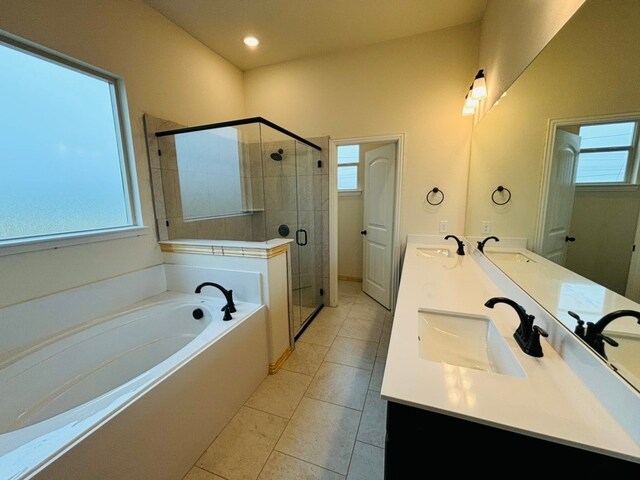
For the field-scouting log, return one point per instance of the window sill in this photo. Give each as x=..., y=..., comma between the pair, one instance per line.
x=53, y=242
x=349, y=193
x=606, y=187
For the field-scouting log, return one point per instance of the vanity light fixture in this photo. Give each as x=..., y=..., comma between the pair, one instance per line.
x=467, y=111
x=470, y=102
x=251, y=41
x=479, y=87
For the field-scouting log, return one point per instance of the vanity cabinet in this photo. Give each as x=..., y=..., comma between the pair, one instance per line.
x=420, y=441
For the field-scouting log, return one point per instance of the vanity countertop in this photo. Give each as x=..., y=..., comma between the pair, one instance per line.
x=550, y=402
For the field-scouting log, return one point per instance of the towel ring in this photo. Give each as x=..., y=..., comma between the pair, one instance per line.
x=434, y=192
x=501, y=189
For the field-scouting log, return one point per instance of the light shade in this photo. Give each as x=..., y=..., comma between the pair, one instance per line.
x=251, y=41
x=466, y=111
x=470, y=102
x=479, y=87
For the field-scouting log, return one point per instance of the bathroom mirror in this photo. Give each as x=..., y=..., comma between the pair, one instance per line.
x=563, y=140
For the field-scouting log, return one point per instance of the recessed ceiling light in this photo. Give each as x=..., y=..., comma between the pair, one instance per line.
x=251, y=41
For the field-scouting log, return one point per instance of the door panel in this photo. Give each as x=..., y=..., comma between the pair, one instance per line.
x=379, y=183
x=561, y=194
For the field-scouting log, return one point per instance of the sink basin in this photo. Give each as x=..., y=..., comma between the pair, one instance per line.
x=510, y=257
x=434, y=252
x=465, y=340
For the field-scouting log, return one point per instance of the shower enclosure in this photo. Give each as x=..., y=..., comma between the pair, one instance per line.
x=248, y=180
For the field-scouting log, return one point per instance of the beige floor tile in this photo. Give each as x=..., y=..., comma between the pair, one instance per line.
x=370, y=312
x=321, y=433
x=352, y=352
x=320, y=333
x=367, y=463
x=343, y=309
x=330, y=317
x=198, y=474
x=345, y=299
x=388, y=324
x=362, y=329
x=364, y=299
x=243, y=447
x=350, y=288
x=383, y=345
x=306, y=358
x=283, y=467
x=340, y=384
x=280, y=394
x=374, y=418
x=377, y=374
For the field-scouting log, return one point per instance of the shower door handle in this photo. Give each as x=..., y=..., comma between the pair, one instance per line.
x=298, y=232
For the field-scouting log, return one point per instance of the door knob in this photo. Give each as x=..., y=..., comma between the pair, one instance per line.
x=569, y=239
x=363, y=232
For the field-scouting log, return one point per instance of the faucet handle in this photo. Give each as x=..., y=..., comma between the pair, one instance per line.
x=533, y=346
x=227, y=314
x=579, y=330
x=608, y=340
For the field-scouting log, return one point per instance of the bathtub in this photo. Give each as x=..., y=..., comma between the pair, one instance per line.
x=138, y=394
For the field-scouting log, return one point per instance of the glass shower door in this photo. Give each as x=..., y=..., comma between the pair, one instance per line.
x=308, y=237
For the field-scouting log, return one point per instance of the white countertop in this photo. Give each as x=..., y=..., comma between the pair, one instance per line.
x=551, y=402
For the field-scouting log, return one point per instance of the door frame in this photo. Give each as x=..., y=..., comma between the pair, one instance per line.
x=547, y=162
x=398, y=139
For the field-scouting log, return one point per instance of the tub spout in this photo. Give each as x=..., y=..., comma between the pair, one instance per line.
x=230, y=307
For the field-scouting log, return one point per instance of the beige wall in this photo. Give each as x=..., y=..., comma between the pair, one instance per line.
x=414, y=86
x=590, y=68
x=350, y=208
x=604, y=225
x=167, y=73
x=512, y=34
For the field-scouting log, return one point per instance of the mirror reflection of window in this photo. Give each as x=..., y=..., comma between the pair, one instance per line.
x=607, y=153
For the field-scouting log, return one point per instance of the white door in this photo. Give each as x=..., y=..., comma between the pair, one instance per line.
x=379, y=181
x=562, y=187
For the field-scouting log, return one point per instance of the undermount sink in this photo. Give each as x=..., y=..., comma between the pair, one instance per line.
x=465, y=340
x=434, y=252
x=510, y=257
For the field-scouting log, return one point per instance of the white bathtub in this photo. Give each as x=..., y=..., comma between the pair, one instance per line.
x=139, y=394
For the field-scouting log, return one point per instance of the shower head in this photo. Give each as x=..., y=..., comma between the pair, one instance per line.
x=277, y=156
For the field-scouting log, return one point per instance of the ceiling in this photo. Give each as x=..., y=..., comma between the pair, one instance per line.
x=290, y=29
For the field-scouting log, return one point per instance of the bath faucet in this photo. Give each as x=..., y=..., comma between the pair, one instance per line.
x=481, y=244
x=527, y=334
x=593, y=335
x=460, y=250
x=230, y=307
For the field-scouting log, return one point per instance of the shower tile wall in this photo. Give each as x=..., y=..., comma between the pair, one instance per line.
x=168, y=200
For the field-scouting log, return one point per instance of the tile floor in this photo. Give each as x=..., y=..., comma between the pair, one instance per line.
x=321, y=415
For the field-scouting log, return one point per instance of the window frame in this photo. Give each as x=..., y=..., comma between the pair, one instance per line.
x=349, y=191
x=126, y=157
x=631, y=170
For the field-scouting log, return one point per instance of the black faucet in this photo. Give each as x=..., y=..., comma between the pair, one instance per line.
x=481, y=244
x=593, y=335
x=527, y=334
x=460, y=250
x=230, y=307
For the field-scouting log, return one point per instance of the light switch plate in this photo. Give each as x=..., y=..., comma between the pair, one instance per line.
x=444, y=226
x=486, y=227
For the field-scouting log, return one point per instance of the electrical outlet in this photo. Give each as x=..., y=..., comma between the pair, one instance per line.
x=444, y=226
x=486, y=227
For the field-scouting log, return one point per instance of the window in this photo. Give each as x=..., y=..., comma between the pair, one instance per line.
x=348, y=167
x=63, y=163
x=607, y=153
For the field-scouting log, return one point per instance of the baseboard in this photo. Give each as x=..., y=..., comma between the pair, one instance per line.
x=347, y=278
x=274, y=367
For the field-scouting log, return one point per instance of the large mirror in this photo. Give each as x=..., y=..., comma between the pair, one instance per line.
x=564, y=141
